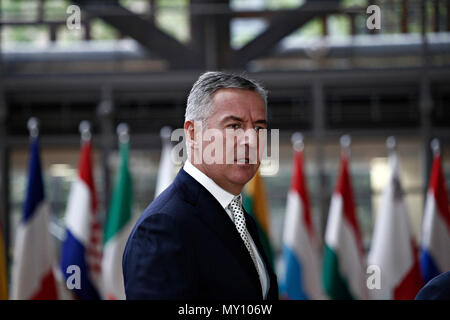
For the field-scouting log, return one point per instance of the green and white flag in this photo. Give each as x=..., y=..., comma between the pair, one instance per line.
x=117, y=229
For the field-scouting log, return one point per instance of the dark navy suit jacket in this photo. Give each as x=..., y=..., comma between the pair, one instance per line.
x=437, y=288
x=185, y=247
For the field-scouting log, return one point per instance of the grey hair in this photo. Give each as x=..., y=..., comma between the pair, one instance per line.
x=199, y=103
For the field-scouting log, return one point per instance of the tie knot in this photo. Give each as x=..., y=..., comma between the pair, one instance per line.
x=237, y=201
x=236, y=206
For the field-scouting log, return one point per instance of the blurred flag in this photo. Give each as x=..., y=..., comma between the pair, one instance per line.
x=300, y=242
x=81, y=254
x=254, y=202
x=117, y=229
x=166, y=165
x=3, y=268
x=32, y=270
x=435, y=244
x=343, y=263
x=394, y=249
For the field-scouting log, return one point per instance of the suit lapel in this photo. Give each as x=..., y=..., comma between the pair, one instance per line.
x=253, y=230
x=212, y=213
x=214, y=216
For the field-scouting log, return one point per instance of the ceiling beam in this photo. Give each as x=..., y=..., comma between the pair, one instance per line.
x=281, y=26
x=210, y=32
x=142, y=30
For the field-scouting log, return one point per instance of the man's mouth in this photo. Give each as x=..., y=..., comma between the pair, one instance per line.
x=243, y=161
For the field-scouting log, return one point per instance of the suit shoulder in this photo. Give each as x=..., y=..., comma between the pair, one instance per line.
x=170, y=201
x=437, y=288
x=169, y=206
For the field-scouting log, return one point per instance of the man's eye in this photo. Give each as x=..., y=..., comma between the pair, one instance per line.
x=234, y=126
x=257, y=128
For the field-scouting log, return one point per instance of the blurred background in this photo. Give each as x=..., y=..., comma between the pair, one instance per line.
x=135, y=61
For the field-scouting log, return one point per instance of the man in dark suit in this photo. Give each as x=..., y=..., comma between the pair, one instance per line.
x=195, y=241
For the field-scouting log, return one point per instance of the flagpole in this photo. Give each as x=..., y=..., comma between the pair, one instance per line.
x=345, y=141
x=391, y=144
x=165, y=133
x=85, y=131
x=33, y=127
x=123, y=133
x=297, y=141
x=435, y=147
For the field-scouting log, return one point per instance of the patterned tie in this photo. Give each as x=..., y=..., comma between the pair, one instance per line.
x=239, y=221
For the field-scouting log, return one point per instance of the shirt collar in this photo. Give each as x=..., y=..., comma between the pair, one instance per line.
x=224, y=197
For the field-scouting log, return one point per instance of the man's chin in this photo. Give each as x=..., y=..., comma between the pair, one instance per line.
x=244, y=172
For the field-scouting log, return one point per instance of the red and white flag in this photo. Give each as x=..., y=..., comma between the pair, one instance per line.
x=83, y=243
x=435, y=242
x=300, y=242
x=394, y=249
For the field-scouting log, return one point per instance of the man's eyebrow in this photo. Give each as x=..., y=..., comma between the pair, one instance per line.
x=227, y=118
x=261, y=122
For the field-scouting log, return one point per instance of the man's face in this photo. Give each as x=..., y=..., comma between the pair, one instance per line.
x=238, y=115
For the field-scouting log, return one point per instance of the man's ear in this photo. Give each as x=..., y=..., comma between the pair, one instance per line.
x=189, y=133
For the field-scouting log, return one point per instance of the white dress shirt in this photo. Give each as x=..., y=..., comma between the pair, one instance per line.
x=224, y=198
